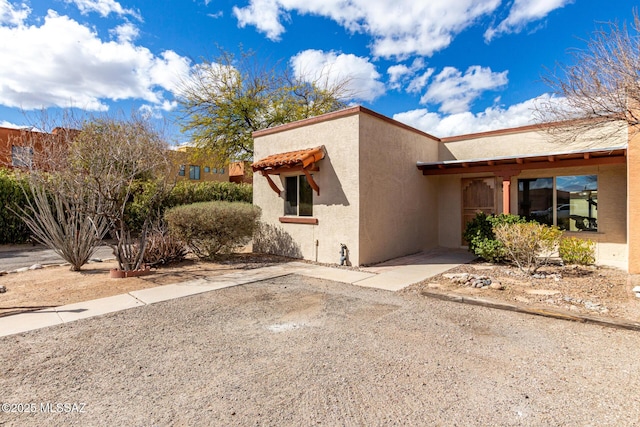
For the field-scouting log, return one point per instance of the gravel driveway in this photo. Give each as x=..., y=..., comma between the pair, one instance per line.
x=300, y=351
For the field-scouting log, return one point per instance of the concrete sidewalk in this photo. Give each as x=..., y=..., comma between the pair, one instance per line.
x=387, y=277
x=16, y=257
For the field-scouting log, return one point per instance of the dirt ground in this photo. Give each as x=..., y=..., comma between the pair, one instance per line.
x=298, y=351
x=594, y=291
x=56, y=285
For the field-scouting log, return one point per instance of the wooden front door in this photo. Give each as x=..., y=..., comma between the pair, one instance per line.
x=478, y=195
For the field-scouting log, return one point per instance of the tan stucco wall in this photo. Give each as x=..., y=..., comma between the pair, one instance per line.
x=530, y=142
x=633, y=207
x=449, y=209
x=337, y=206
x=398, y=205
x=375, y=200
x=372, y=196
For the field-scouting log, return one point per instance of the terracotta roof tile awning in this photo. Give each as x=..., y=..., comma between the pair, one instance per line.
x=303, y=158
x=291, y=161
x=512, y=164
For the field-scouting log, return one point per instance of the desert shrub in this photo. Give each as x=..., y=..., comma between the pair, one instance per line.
x=528, y=245
x=489, y=249
x=12, y=228
x=162, y=247
x=577, y=251
x=65, y=222
x=212, y=228
x=183, y=193
x=481, y=238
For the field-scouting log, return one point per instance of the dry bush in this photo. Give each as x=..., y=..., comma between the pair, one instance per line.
x=529, y=245
x=162, y=247
x=214, y=227
x=577, y=251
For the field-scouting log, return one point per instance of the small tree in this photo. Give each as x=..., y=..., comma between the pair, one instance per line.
x=224, y=101
x=107, y=156
x=59, y=209
x=81, y=179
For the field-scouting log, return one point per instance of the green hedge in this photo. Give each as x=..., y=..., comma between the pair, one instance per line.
x=12, y=229
x=183, y=193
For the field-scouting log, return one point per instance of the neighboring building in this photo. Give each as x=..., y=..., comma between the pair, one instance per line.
x=384, y=189
x=186, y=168
x=22, y=148
x=240, y=172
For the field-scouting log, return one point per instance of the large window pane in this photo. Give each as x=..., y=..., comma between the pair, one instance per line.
x=194, y=172
x=577, y=198
x=306, y=197
x=291, y=200
x=535, y=199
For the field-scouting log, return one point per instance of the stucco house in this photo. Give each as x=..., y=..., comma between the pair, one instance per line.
x=385, y=189
x=24, y=148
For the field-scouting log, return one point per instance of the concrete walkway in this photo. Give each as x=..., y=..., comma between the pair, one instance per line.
x=391, y=276
x=399, y=273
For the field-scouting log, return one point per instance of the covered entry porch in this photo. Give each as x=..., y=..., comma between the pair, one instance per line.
x=582, y=192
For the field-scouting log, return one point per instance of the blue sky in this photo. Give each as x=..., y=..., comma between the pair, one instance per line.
x=447, y=67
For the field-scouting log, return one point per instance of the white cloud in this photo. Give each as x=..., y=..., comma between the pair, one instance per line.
x=331, y=68
x=126, y=32
x=12, y=14
x=6, y=124
x=401, y=74
x=419, y=82
x=155, y=111
x=399, y=29
x=492, y=118
x=523, y=12
x=455, y=92
x=397, y=73
x=65, y=64
x=264, y=14
x=103, y=7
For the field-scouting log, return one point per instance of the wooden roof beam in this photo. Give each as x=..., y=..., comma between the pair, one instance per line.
x=272, y=184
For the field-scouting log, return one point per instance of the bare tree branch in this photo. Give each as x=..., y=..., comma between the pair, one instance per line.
x=601, y=86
